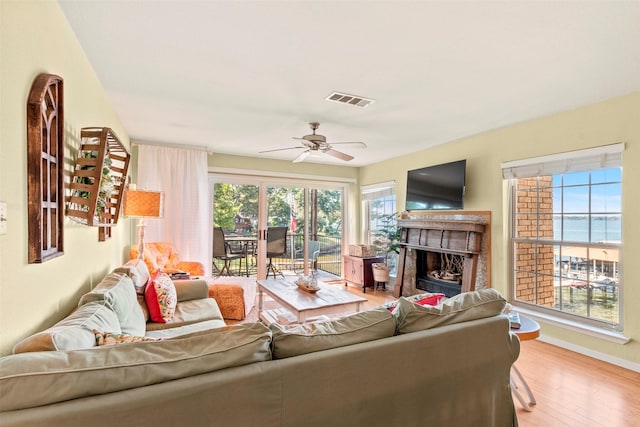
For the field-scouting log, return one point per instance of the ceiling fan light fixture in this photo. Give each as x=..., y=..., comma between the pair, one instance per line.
x=316, y=145
x=344, y=98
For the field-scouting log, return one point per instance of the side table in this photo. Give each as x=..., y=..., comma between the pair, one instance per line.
x=529, y=330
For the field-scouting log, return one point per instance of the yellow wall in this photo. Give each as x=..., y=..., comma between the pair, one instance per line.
x=35, y=38
x=612, y=121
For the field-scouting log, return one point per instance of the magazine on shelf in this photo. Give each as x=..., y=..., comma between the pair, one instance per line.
x=514, y=319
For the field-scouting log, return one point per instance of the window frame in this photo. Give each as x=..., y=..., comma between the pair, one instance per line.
x=588, y=160
x=369, y=193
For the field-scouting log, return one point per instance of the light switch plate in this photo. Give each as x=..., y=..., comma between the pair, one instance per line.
x=3, y=217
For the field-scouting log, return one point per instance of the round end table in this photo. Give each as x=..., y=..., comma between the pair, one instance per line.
x=529, y=330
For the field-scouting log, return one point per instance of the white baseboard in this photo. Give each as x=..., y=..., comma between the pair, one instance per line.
x=591, y=353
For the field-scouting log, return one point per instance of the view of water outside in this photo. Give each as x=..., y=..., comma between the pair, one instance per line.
x=576, y=229
x=586, y=277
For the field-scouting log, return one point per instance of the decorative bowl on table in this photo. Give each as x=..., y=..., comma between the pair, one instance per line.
x=308, y=289
x=308, y=284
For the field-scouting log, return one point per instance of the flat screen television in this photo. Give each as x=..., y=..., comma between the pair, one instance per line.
x=436, y=187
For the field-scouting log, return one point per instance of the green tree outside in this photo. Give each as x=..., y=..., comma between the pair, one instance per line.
x=233, y=201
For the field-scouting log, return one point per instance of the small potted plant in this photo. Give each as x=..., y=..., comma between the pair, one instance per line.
x=387, y=242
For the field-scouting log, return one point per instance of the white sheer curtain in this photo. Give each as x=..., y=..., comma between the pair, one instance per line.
x=188, y=220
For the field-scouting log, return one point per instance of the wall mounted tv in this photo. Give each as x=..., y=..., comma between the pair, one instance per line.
x=436, y=187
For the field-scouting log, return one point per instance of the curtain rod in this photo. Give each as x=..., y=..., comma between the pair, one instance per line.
x=187, y=147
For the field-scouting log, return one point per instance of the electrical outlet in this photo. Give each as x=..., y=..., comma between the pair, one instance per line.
x=3, y=217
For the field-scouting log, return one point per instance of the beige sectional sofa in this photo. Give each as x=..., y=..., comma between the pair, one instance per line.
x=115, y=306
x=446, y=365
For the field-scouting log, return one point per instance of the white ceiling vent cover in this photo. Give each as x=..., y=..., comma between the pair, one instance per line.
x=343, y=98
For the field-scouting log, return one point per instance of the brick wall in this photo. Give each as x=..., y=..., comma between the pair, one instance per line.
x=534, y=216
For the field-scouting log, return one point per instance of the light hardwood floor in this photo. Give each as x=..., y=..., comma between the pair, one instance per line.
x=572, y=390
x=575, y=390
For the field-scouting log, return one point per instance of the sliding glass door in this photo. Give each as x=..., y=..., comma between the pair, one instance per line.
x=248, y=208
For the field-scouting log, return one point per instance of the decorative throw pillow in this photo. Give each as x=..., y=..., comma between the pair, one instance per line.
x=433, y=299
x=161, y=298
x=138, y=271
x=109, y=338
x=421, y=299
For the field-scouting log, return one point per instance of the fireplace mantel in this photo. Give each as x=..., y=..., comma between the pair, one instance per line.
x=456, y=233
x=451, y=236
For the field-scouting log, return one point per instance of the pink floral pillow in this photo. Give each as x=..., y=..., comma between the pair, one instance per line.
x=161, y=298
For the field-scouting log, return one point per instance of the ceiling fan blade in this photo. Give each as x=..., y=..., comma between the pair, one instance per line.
x=280, y=149
x=338, y=154
x=357, y=144
x=302, y=156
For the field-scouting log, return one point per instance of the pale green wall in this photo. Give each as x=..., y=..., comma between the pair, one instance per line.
x=609, y=122
x=35, y=37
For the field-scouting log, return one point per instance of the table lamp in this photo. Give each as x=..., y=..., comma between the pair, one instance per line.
x=143, y=204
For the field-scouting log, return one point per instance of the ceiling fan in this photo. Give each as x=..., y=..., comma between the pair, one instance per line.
x=315, y=143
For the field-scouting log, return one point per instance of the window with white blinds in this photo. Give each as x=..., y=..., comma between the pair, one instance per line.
x=566, y=234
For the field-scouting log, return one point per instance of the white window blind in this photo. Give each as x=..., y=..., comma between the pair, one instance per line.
x=572, y=161
x=376, y=191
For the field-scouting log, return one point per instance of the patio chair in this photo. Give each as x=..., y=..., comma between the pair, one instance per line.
x=314, y=253
x=222, y=251
x=276, y=247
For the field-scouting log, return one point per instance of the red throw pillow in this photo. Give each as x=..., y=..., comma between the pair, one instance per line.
x=161, y=298
x=433, y=299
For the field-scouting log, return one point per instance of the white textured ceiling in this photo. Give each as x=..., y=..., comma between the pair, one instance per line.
x=239, y=77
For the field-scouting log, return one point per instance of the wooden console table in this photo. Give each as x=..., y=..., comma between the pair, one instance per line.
x=358, y=270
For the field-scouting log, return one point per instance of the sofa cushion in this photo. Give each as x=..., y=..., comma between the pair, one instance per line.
x=190, y=328
x=463, y=307
x=293, y=340
x=161, y=298
x=191, y=289
x=117, y=290
x=143, y=306
x=74, y=331
x=188, y=312
x=34, y=379
x=137, y=270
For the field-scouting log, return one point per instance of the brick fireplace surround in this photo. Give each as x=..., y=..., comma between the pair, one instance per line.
x=426, y=235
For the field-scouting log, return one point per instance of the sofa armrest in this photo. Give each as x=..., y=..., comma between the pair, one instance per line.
x=191, y=289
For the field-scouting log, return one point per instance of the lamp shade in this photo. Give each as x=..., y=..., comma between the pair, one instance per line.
x=148, y=204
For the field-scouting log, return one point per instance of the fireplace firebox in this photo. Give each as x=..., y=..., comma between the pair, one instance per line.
x=442, y=253
x=439, y=272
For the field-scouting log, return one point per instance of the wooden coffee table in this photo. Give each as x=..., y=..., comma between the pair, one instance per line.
x=329, y=300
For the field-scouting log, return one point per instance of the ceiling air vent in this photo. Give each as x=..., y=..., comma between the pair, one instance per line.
x=343, y=98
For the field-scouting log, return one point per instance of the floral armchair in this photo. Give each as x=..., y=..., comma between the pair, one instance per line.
x=164, y=256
